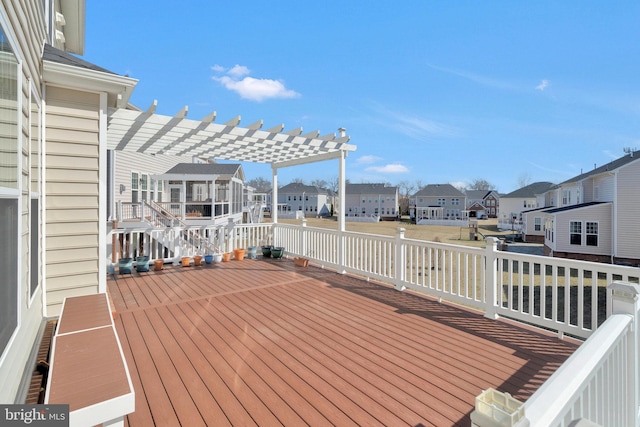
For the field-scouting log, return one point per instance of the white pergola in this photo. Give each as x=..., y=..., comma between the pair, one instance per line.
x=151, y=133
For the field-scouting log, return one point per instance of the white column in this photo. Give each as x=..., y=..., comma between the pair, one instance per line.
x=490, y=278
x=274, y=195
x=342, y=200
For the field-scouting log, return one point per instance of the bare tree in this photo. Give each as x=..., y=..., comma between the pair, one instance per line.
x=261, y=184
x=320, y=183
x=524, y=179
x=297, y=181
x=481, y=184
x=405, y=190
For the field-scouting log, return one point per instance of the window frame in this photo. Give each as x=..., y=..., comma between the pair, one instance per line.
x=575, y=233
x=591, y=234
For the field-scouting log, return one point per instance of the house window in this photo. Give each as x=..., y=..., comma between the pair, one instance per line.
x=441, y=202
x=9, y=207
x=159, y=191
x=592, y=233
x=575, y=233
x=537, y=226
x=455, y=202
x=135, y=186
x=144, y=186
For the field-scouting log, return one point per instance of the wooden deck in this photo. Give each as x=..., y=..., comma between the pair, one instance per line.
x=262, y=342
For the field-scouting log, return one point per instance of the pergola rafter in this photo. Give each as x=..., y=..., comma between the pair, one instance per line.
x=151, y=133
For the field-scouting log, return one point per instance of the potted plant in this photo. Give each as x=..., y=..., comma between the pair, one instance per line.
x=266, y=251
x=238, y=254
x=251, y=252
x=125, y=265
x=142, y=264
x=277, y=252
x=186, y=261
x=301, y=261
x=197, y=260
x=158, y=264
x=208, y=258
x=226, y=256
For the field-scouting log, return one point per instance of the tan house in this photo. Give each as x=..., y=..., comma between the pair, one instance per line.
x=596, y=214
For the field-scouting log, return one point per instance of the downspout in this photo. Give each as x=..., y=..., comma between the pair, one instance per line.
x=614, y=218
x=102, y=195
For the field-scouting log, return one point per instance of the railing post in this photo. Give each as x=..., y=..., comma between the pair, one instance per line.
x=400, y=262
x=491, y=278
x=625, y=300
x=303, y=238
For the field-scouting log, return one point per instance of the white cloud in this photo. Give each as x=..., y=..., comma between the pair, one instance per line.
x=460, y=185
x=249, y=87
x=367, y=160
x=390, y=168
x=543, y=85
x=238, y=71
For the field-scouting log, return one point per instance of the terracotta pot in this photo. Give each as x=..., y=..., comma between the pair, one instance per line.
x=238, y=254
x=186, y=261
x=197, y=260
x=226, y=256
x=301, y=262
x=158, y=264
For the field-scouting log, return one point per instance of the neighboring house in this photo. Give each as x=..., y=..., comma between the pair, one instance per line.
x=308, y=199
x=523, y=199
x=483, y=203
x=439, y=202
x=596, y=218
x=532, y=225
x=372, y=200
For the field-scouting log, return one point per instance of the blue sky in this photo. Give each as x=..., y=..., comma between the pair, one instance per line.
x=429, y=91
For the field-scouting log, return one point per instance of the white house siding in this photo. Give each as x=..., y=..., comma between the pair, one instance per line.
x=22, y=24
x=604, y=188
x=127, y=162
x=72, y=187
x=601, y=213
x=628, y=211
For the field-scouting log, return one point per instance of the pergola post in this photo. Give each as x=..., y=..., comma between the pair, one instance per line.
x=274, y=194
x=342, y=200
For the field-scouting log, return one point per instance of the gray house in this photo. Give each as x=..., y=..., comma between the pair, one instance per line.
x=373, y=200
x=308, y=199
x=439, y=203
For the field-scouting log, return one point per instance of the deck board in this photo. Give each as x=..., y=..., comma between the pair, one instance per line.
x=262, y=342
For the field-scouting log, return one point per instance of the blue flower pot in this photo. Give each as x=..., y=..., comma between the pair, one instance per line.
x=142, y=264
x=251, y=252
x=125, y=265
x=208, y=259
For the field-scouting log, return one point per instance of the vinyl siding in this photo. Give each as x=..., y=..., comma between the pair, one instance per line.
x=601, y=214
x=72, y=162
x=25, y=27
x=605, y=188
x=628, y=211
x=126, y=162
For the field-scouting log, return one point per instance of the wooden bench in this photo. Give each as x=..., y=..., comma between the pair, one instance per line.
x=88, y=370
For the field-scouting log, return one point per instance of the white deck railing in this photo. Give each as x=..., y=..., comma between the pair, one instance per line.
x=600, y=381
x=567, y=296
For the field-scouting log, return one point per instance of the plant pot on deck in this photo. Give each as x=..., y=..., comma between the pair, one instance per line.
x=158, y=264
x=217, y=257
x=251, y=252
x=277, y=252
x=142, y=264
x=197, y=260
x=186, y=261
x=301, y=261
x=125, y=265
x=208, y=259
x=266, y=251
x=226, y=257
x=238, y=254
